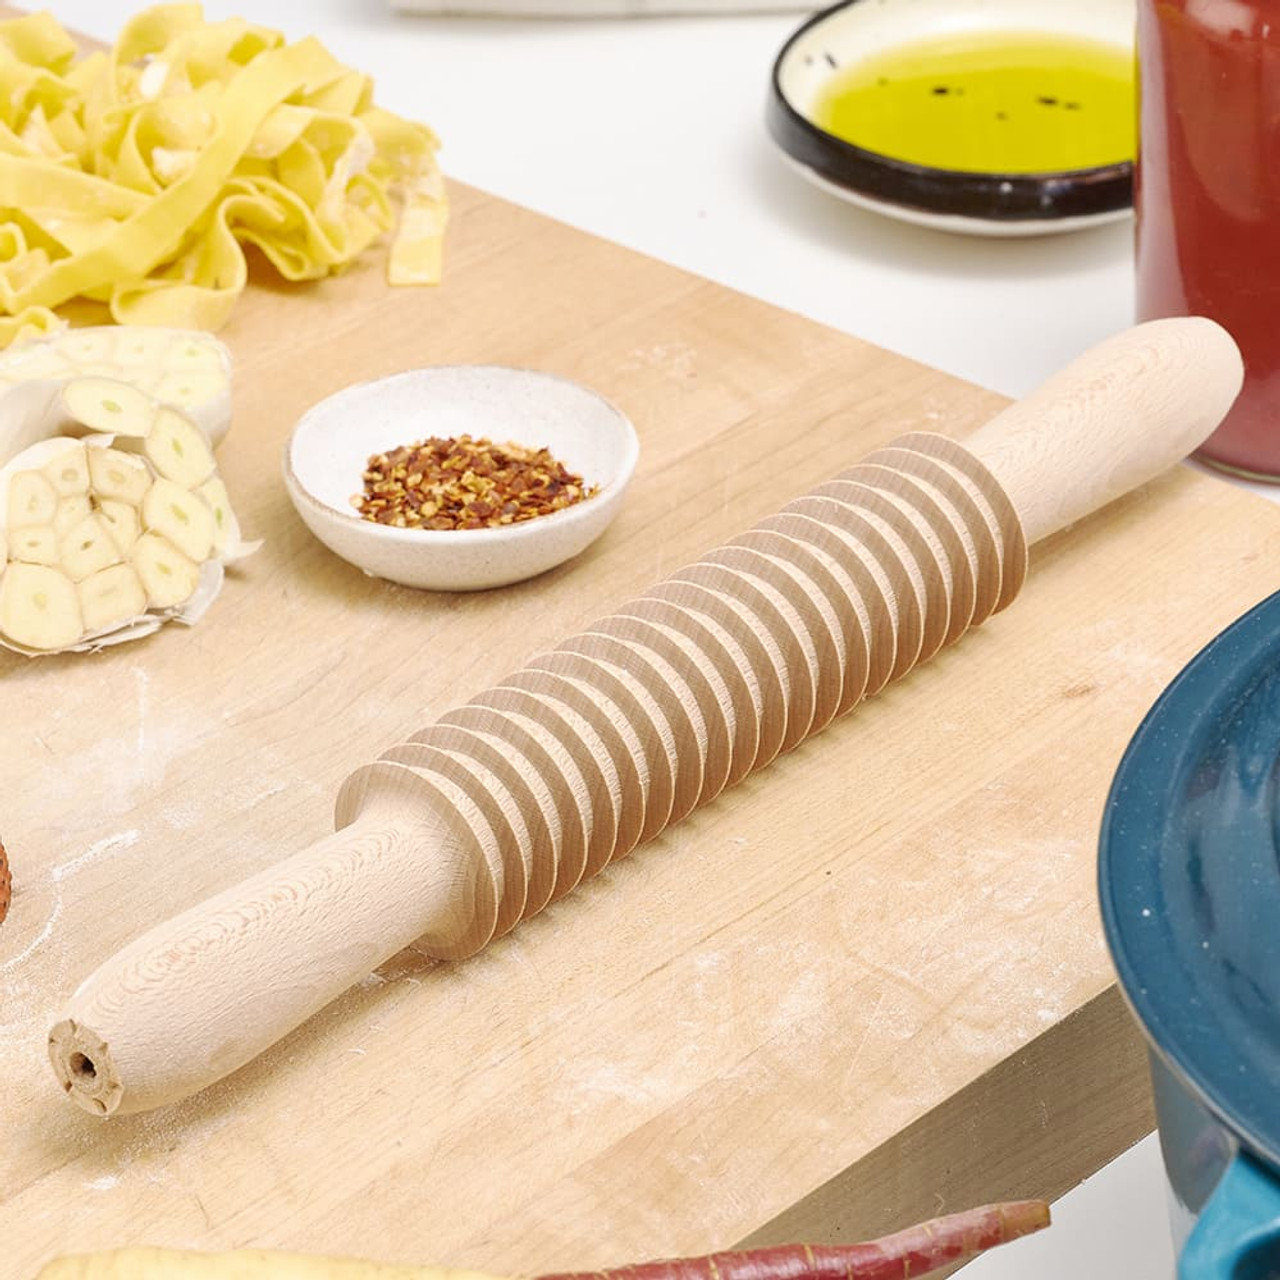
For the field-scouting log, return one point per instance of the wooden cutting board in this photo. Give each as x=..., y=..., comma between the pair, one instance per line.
x=866, y=986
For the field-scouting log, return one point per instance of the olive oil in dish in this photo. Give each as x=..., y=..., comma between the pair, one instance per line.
x=988, y=102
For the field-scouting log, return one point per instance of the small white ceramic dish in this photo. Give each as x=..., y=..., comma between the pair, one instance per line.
x=328, y=451
x=988, y=204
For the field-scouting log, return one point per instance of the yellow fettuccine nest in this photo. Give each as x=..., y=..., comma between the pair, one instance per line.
x=135, y=176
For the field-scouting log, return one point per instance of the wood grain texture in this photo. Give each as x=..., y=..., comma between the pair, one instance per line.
x=1133, y=406
x=807, y=976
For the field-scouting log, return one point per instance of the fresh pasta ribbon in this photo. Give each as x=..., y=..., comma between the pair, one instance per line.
x=136, y=176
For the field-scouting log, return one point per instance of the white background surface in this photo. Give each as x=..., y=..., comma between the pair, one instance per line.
x=650, y=132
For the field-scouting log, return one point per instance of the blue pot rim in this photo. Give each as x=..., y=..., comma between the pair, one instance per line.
x=1160, y=978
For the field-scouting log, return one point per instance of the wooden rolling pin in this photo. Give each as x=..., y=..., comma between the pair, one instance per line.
x=506, y=803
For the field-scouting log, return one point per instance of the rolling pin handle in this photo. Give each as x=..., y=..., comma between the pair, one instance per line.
x=200, y=995
x=1111, y=420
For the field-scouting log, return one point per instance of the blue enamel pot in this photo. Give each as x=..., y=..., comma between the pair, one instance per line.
x=1189, y=881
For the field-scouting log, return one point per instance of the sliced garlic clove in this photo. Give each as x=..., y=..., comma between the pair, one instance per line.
x=226, y=528
x=197, y=351
x=123, y=523
x=181, y=516
x=87, y=547
x=147, y=347
x=34, y=544
x=178, y=449
x=110, y=597
x=212, y=576
x=32, y=499
x=191, y=370
x=110, y=406
x=168, y=577
x=69, y=471
x=188, y=390
x=89, y=345
x=39, y=607
x=118, y=476
x=70, y=511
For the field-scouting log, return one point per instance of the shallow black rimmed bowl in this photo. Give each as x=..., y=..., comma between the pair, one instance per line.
x=950, y=199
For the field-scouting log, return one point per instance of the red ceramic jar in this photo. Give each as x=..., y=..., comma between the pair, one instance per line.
x=1208, y=196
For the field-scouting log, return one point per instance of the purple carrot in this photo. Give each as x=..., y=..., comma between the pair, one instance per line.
x=913, y=1252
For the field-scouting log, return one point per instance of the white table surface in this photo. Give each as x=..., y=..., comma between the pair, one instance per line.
x=650, y=132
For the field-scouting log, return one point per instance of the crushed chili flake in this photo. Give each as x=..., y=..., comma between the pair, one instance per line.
x=461, y=482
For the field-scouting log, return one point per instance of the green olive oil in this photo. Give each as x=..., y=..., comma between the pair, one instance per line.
x=989, y=102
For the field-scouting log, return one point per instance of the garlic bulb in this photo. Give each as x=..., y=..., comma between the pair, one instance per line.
x=107, y=535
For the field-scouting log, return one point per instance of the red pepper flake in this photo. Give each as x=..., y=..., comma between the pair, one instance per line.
x=461, y=482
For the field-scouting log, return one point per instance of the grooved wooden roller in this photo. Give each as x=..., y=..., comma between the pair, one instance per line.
x=505, y=804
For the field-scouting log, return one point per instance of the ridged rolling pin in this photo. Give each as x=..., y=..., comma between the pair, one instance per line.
x=504, y=804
